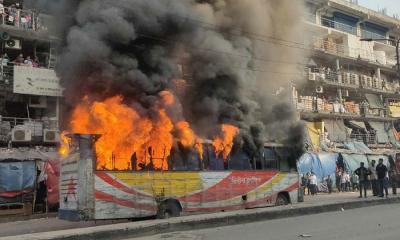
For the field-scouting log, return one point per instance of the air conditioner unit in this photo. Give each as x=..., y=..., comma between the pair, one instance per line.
x=21, y=135
x=51, y=136
x=38, y=101
x=319, y=89
x=312, y=76
x=13, y=44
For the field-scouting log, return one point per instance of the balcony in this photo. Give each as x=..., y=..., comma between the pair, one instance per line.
x=351, y=80
x=328, y=45
x=28, y=131
x=338, y=26
x=19, y=18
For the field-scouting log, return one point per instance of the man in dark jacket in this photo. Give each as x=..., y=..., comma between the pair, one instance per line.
x=381, y=171
x=362, y=173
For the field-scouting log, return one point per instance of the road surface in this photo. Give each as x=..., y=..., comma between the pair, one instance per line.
x=54, y=224
x=372, y=223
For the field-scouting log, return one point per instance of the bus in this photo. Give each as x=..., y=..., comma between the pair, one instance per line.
x=87, y=193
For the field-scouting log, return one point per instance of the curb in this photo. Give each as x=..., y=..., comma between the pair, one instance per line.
x=194, y=222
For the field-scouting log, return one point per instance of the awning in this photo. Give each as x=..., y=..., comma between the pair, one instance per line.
x=337, y=131
x=355, y=124
x=381, y=133
x=359, y=147
x=374, y=101
x=352, y=161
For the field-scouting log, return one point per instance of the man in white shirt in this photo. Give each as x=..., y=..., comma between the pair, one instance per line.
x=313, y=184
x=373, y=178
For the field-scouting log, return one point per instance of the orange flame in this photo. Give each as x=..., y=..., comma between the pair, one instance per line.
x=129, y=139
x=223, y=144
x=65, y=142
x=188, y=138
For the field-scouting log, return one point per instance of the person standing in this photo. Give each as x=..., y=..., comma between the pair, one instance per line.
x=329, y=184
x=308, y=176
x=338, y=179
x=313, y=184
x=374, y=178
x=343, y=181
x=362, y=174
x=381, y=171
x=393, y=180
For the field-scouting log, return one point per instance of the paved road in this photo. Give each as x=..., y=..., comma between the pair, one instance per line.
x=372, y=223
x=53, y=224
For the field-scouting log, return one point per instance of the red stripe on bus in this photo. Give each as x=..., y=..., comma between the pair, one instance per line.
x=235, y=184
x=102, y=196
x=108, y=179
x=240, y=206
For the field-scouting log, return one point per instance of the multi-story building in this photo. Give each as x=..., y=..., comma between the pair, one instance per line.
x=352, y=91
x=30, y=91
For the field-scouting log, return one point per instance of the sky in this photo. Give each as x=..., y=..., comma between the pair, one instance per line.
x=393, y=6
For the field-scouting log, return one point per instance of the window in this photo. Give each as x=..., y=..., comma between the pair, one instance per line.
x=270, y=160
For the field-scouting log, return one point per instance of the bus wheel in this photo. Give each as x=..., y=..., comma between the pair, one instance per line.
x=169, y=209
x=281, y=199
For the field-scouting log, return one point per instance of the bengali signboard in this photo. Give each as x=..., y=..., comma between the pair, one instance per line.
x=36, y=81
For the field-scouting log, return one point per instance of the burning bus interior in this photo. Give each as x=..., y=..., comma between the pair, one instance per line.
x=183, y=158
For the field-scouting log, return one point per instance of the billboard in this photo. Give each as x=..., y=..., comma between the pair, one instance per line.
x=36, y=81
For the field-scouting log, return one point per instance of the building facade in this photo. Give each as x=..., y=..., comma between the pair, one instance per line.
x=30, y=92
x=352, y=92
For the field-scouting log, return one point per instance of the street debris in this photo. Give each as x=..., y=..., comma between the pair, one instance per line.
x=305, y=235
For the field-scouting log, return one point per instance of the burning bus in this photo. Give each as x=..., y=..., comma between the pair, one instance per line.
x=170, y=116
x=88, y=191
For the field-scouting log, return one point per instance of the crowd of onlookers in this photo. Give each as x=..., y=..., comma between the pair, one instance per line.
x=14, y=15
x=377, y=177
x=20, y=61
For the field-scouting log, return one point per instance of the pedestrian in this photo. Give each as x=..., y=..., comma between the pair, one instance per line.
x=374, y=178
x=308, y=176
x=36, y=63
x=28, y=61
x=393, y=179
x=313, y=184
x=355, y=182
x=362, y=174
x=344, y=181
x=329, y=184
x=5, y=59
x=19, y=60
x=382, y=171
x=338, y=178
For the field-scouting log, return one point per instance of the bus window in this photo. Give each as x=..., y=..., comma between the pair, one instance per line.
x=240, y=161
x=270, y=160
x=182, y=159
x=214, y=163
x=286, y=159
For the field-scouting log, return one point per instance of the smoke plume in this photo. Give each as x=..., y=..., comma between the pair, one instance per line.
x=239, y=59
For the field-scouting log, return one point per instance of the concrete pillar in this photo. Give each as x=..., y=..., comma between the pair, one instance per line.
x=378, y=73
x=339, y=74
x=340, y=95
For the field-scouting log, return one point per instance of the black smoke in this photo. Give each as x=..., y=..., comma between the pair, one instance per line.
x=132, y=48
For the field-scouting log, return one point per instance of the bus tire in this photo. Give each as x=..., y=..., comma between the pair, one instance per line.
x=281, y=200
x=169, y=209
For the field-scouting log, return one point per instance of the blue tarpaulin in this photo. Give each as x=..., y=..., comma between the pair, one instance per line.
x=323, y=164
x=16, y=177
x=357, y=147
x=352, y=161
